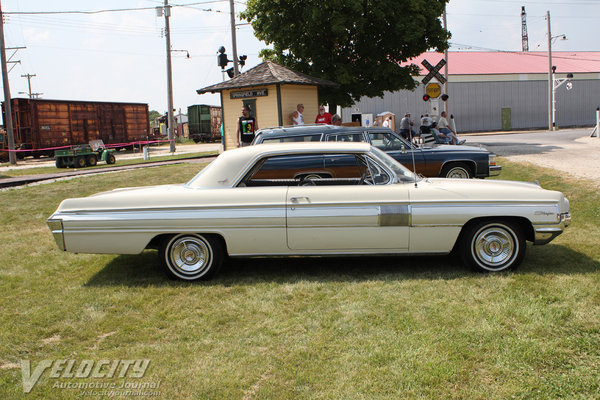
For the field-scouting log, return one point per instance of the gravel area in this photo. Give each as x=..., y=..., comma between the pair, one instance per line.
x=579, y=158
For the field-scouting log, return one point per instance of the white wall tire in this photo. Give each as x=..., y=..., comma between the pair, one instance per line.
x=191, y=257
x=492, y=246
x=457, y=171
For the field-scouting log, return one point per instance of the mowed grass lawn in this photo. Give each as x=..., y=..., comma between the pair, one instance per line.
x=333, y=328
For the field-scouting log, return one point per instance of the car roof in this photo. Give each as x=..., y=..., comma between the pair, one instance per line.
x=314, y=129
x=227, y=167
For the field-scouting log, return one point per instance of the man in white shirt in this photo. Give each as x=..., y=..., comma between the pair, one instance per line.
x=446, y=131
x=296, y=116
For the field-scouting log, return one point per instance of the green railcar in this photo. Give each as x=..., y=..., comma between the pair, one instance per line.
x=204, y=123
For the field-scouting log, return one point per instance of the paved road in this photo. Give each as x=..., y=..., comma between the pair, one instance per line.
x=534, y=142
x=570, y=151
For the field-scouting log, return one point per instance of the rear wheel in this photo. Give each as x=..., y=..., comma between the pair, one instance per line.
x=457, y=171
x=492, y=246
x=110, y=158
x=80, y=162
x=191, y=257
x=92, y=160
x=60, y=162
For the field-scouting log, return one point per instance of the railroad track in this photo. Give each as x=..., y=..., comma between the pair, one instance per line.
x=27, y=179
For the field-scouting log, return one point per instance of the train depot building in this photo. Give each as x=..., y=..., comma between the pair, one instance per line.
x=272, y=92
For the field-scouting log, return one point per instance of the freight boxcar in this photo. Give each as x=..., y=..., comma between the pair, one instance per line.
x=204, y=123
x=41, y=124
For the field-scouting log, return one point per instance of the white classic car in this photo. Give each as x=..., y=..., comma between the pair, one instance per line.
x=312, y=199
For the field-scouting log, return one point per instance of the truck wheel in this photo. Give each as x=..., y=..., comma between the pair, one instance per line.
x=92, y=160
x=191, y=257
x=79, y=162
x=60, y=163
x=456, y=171
x=492, y=246
x=110, y=158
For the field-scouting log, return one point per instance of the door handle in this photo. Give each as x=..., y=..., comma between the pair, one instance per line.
x=297, y=199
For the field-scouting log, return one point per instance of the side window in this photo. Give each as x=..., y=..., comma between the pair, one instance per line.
x=316, y=170
x=386, y=141
x=346, y=137
x=374, y=174
x=291, y=139
x=283, y=170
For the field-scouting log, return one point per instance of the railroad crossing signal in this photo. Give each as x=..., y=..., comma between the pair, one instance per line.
x=434, y=72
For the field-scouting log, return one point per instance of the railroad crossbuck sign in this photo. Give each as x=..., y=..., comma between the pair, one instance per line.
x=434, y=72
x=433, y=89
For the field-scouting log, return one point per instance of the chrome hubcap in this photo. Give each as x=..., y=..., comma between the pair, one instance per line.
x=494, y=247
x=458, y=173
x=189, y=255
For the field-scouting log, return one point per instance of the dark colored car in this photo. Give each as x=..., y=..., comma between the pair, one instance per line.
x=429, y=160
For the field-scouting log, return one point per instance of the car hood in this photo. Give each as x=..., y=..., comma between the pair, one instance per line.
x=493, y=191
x=453, y=148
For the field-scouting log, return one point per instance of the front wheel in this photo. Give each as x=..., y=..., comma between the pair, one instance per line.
x=457, y=171
x=492, y=246
x=110, y=159
x=191, y=257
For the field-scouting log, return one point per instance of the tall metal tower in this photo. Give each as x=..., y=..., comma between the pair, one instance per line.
x=524, y=38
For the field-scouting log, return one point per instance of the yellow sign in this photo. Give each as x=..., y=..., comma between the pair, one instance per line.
x=433, y=90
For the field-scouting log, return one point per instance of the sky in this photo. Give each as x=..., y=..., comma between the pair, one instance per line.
x=120, y=56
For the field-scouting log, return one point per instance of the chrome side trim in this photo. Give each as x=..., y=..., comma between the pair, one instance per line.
x=394, y=215
x=56, y=226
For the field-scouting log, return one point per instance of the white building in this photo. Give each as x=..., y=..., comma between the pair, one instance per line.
x=493, y=91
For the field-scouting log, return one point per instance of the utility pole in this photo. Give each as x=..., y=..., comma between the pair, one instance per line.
x=8, y=123
x=524, y=37
x=29, y=76
x=445, y=66
x=236, y=69
x=170, y=127
x=550, y=82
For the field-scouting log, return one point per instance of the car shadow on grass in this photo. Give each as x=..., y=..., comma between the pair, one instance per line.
x=145, y=269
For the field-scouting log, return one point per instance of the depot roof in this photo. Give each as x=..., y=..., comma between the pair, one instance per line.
x=513, y=62
x=266, y=73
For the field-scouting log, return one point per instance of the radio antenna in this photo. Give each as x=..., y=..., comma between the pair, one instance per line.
x=412, y=153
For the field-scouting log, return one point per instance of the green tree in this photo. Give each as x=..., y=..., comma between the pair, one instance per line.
x=153, y=114
x=356, y=43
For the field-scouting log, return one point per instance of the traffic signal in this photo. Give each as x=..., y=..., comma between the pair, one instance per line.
x=444, y=97
x=426, y=97
x=243, y=60
x=222, y=60
x=230, y=72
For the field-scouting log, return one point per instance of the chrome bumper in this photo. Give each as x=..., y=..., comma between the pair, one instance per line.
x=495, y=170
x=56, y=226
x=545, y=234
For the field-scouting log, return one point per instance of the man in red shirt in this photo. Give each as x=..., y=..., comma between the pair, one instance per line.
x=323, y=117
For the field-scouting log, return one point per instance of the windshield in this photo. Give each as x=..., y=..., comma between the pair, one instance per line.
x=388, y=141
x=404, y=175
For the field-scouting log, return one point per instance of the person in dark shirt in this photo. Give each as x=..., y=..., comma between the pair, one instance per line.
x=246, y=129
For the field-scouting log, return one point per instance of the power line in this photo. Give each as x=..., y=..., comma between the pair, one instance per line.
x=106, y=11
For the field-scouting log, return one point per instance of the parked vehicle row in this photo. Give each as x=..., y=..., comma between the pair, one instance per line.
x=429, y=160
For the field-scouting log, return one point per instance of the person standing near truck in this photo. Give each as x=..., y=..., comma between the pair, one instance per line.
x=246, y=129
